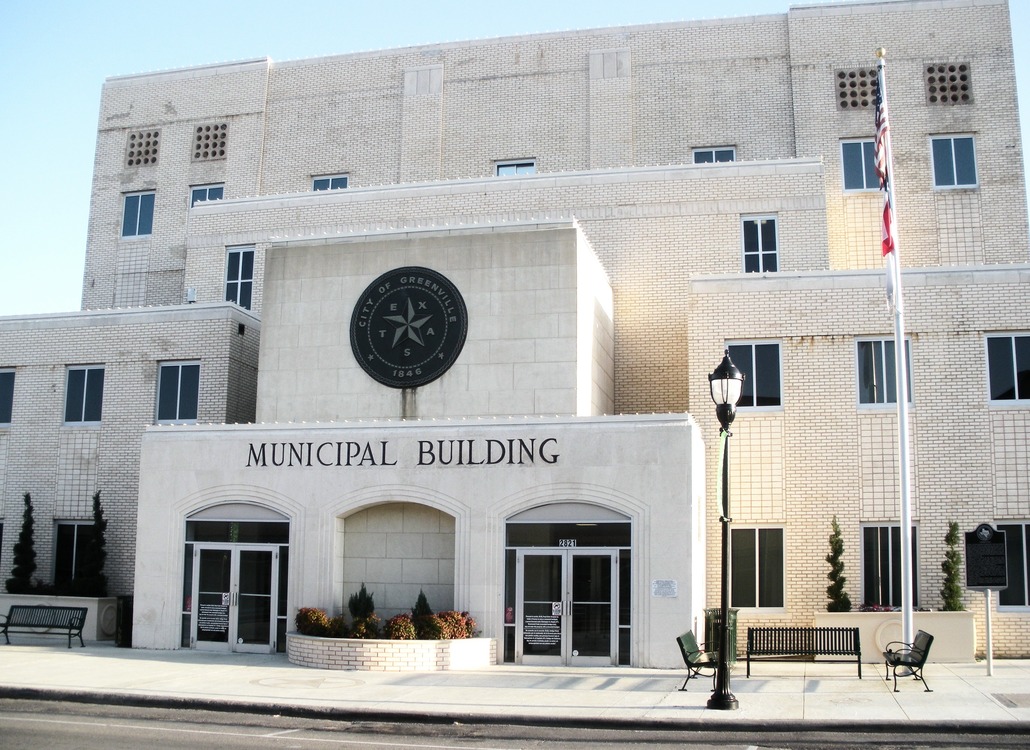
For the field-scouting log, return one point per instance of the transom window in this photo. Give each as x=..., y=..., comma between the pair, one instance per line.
x=877, y=372
x=954, y=161
x=714, y=155
x=84, y=395
x=6, y=395
x=859, y=163
x=756, y=565
x=204, y=193
x=881, y=566
x=760, y=364
x=760, y=247
x=239, y=275
x=1008, y=367
x=330, y=182
x=138, y=214
x=512, y=168
x=178, y=390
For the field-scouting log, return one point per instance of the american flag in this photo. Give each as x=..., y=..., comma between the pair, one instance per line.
x=882, y=163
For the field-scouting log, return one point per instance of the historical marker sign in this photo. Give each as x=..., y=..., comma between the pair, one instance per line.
x=985, y=559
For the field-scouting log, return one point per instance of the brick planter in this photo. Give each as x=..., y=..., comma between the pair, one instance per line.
x=390, y=656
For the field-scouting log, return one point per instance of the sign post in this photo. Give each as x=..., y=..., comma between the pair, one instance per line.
x=986, y=571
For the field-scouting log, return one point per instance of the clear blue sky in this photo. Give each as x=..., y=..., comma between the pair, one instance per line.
x=55, y=55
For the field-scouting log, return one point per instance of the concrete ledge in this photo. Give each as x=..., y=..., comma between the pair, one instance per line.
x=101, y=614
x=390, y=656
x=954, y=633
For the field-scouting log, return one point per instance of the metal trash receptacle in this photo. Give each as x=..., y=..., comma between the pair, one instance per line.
x=713, y=621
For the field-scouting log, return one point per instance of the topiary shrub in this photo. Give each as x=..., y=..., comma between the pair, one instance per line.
x=400, y=628
x=21, y=581
x=839, y=599
x=421, y=608
x=951, y=592
x=362, y=604
x=90, y=579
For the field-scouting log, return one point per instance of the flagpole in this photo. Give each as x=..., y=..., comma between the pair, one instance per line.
x=900, y=354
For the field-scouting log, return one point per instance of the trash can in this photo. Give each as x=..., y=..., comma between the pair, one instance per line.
x=123, y=627
x=713, y=621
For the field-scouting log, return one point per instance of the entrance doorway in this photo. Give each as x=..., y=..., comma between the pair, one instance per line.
x=235, y=588
x=566, y=607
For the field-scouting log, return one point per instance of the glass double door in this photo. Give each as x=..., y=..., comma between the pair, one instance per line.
x=566, y=607
x=235, y=590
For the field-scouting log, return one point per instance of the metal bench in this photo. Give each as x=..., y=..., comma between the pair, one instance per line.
x=911, y=656
x=695, y=658
x=801, y=642
x=42, y=619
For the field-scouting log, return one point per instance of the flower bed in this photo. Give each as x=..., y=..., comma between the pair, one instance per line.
x=379, y=655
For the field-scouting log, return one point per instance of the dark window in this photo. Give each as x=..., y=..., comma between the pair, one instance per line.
x=512, y=168
x=760, y=253
x=1008, y=366
x=859, y=165
x=239, y=276
x=756, y=564
x=177, y=392
x=881, y=566
x=84, y=396
x=760, y=364
x=714, y=155
x=330, y=182
x=1017, y=542
x=877, y=372
x=203, y=193
x=138, y=214
x=70, y=550
x=6, y=395
x=954, y=162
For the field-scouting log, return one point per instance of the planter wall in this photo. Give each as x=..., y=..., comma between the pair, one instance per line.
x=390, y=656
x=101, y=614
x=954, y=633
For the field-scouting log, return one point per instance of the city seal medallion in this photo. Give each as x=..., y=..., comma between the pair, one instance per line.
x=408, y=327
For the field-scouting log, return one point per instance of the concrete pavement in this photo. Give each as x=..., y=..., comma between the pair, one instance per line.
x=816, y=695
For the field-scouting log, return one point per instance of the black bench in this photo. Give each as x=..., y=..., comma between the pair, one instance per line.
x=799, y=642
x=911, y=656
x=696, y=659
x=44, y=620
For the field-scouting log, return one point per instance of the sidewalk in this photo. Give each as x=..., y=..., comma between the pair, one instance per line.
x=817, y=694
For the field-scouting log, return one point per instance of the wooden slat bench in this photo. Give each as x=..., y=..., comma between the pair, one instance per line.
x=42, y=619
x=801, y=642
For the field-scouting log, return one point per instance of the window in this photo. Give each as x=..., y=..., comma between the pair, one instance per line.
x=881, y=566
x=71, y=540
x=512, y=168
x=239, y=275
x=138, y=214
x=84, y=395
x=330, y=182
x=954, y=162
x=859, y=165
x=1017, y=545
x=713, y=155
x=877, y=372
x=6, y=395
x=756, y=568
x=178, y=388
x=203, y=193
x=759, y=244
x=760, y=364
x=1008, y=367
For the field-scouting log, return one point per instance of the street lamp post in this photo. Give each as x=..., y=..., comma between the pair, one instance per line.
x=727, y=383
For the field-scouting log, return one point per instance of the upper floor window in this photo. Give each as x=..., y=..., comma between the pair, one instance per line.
x=178, y=390
x=756, y=567
x=714, y=155
x=84, y=395
x=1008, y=367
x=760, y=253
x=1017, y=564
x=954, y=161
x=138, y=214
x=512, y=168
x=881, y=566
x=6, y=395
x=203, y=193
x=859, y=165
x=760, y=364
x=330, y=182
x=877, y=372
x=239, y=275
